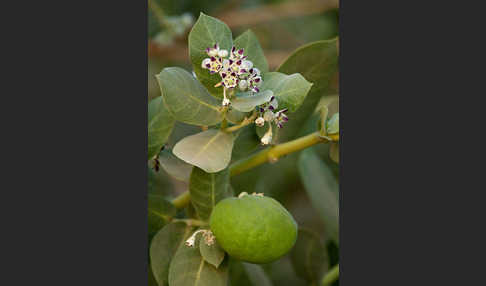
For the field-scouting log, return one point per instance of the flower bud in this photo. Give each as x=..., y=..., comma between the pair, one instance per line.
x=226, y=102
x=243, y=84
x=259, y=121
x=268, y=115
x=267, y=138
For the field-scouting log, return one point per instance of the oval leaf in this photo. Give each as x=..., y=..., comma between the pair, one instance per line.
x=322, y=188
x=213, y=254
x=290, y=90
x=160, y=125
x=207, y=189
x=247, y=274
x=317, y=62
x=164, y=246
x=159, y=212
x=209, y=150
x=186, y=99
x=174, y=166
x=247, y=101
x=189, y=268
x=249, y=42
x=206, y=32
x=309, y=256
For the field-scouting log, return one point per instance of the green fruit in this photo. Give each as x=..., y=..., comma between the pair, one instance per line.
x=253, y=228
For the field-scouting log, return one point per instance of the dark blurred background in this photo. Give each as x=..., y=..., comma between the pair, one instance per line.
x=281, y=27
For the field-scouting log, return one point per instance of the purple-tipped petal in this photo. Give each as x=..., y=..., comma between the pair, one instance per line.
x=215, y=46
x=261, y=109
x=230, y=62
x=257, y=79
x=223, y=75
x=284, y=110
x=240, y=51
x=213, y=59
x=233, y=74
x=285, y=119
x=233, y=49
x=207, y=50
x=256, y=89
x=271, y=107
x=243, y=70
x=238, y=62
x=272, y=98
x=208, y=65
x=251, y=70
x=279, y=125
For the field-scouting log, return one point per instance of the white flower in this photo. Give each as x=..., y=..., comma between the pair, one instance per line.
x=259, y=121
x=226, y=102
x=205, y=63
x=267, y=138
x=223, y=53
x=243, y=84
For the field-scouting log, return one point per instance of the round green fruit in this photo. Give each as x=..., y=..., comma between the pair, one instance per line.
x=253, y=228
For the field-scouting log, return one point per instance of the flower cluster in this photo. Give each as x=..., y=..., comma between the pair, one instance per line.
x=267, y=114
x=234, y=68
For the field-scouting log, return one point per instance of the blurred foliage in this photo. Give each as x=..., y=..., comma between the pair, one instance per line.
x=279, y=38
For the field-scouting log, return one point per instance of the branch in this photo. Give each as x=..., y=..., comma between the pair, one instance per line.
x=182, y=200
x=331, y=276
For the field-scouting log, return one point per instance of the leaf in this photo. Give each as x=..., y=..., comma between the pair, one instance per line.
x=309, y=256
x=333, y=124
x=249, y=42
x=247, y=274
x=164, y=246
x=209, y=150
x=213, y=254
x=322, y=189
x=174, y=166
x=334, y=152
x=207, y=189
x=246, y=142
x=188, y=267
x=236, y=117
x=151, y=278
x=159, y=212
x=317, y=62
x=247, y=101
x=290, y=90
x=206, y=32
x=160, y=125
x=186, y=99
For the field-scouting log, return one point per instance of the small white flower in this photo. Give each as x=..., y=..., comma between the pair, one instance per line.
x=226, y=102
x=247, y=65
x=267, y=138
x=243, y=84
x=223, y=53
x=205, y=63
x=269, y=115
x=260, y=121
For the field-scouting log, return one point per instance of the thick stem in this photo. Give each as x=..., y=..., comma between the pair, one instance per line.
x=331, y=276
x=191, y=222
x=273, y=153
x=182, y=200
x=244, y=123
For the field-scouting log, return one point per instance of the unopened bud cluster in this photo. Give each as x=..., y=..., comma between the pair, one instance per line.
x=208, y=236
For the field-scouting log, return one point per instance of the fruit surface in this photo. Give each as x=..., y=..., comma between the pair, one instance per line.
x=253, y=228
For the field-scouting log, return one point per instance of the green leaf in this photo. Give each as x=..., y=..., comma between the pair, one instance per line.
x=309, y=256
x=322, y=188
x=334, y=152
x=246, y=142
x=247, y=101
x=164, y=246
x=236, y=117
x=290, y=90
x=209, y=150
x=247, y=274
x=186, y=99
x=213, y=254
x=249, y=42
x=333, y=124
x=160, y=124
x=188, y=267
x=206, y=32
x=159, y=212
x=174, y=166
x=318, y=63
x=207, y=189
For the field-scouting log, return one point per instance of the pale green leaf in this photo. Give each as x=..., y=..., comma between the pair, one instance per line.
x=159, y=211
x=290, y=90
x=247, y=101
x=207, y=189
x=249, y=42
x=333, y=124
x=334, y=152
x=209, y=150
x=164, y=246
x=174, y=166
x=160, y=124
x=246, y=142
x=236, y=117
x=247, y=274
x=213, y=254
x=188, y=267
x=317, y=62
x=187, y=100
x=309, y=256
x=206, y=32
x=322, y=188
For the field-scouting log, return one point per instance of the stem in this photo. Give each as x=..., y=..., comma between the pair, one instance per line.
x=182, y=200
x=191, y=222
x=273, y=153
x=159, y=14
x=331, y=276
x=244, y=123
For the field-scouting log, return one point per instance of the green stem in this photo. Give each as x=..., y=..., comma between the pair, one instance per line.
x=331, y=276
x=244, y=123
x=273, y=153
x=182, y=200
x=191, y=222
x=159, y=14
